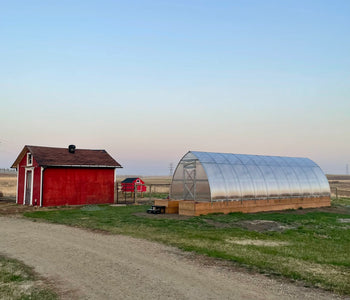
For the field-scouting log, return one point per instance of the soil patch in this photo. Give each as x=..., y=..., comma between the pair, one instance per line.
x=219, y=224
x=252, y=225
x=262, y=225
x=10, y=208
x=329, y=209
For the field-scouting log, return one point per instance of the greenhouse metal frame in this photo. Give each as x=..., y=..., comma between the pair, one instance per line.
x=214, y=177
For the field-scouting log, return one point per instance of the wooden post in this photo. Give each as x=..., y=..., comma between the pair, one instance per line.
x=336, y=193
x=150, y=192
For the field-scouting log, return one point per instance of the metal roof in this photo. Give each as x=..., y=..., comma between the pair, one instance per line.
x=130, y=179
x=207, y=176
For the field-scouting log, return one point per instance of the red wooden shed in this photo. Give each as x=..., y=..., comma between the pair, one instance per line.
x=128, y=184
x=48, y=176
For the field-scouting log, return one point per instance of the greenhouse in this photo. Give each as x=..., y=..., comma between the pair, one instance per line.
x=223, y=177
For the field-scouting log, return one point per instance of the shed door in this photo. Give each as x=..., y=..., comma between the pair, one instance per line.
x=28, y=193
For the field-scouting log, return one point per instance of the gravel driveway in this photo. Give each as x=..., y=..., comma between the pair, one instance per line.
x=90, y=265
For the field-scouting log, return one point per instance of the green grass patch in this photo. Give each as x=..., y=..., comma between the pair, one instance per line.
x=341, y=201
x=310, y=246
x=155, y=195
x=18, y=281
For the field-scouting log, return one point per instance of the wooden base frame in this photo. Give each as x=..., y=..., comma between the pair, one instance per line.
x=171, y=206
x=192, y=208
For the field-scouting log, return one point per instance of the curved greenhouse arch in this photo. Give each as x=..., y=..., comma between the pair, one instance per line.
x=210, y=177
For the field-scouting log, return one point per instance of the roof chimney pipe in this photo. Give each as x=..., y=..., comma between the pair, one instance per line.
x=71, y=148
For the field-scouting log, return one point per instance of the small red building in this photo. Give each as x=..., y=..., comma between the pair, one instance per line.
x=128, y=185
x=48, y=176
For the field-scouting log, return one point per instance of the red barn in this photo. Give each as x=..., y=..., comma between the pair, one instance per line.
x=128, y=185
x=48, y=176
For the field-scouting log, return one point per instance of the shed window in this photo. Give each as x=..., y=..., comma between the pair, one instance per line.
x=29, y=159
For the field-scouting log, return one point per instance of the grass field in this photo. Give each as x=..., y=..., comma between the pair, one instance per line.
x=8, y=184
x=18, y=281
x=311, y=245
x=339, y=184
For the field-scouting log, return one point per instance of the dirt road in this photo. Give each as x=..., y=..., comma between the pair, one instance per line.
x=89, y=265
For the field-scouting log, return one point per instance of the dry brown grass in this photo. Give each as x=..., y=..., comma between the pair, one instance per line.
x=8, y=184
x=341, y=183
x=160, y=184
x=264, y=243
x=148, y=179
x=157, y=179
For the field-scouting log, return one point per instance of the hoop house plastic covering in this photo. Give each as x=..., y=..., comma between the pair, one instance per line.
x=206, y=176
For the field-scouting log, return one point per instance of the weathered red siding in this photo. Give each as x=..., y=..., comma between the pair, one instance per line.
x=21, y=180
x=77, y=186
x=36, y=183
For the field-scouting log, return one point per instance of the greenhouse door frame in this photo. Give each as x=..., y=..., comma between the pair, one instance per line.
x=189, y=180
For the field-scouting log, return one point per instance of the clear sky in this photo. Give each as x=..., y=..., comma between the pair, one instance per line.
x=150, y=80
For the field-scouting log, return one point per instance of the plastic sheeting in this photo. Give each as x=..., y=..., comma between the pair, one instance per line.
x=207, y=176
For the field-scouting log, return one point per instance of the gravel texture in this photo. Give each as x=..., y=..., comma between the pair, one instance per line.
x=91, y=265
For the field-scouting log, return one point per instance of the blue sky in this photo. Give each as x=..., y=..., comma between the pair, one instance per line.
x=150, y=80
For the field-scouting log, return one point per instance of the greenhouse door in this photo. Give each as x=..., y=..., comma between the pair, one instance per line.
x=189, y=177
